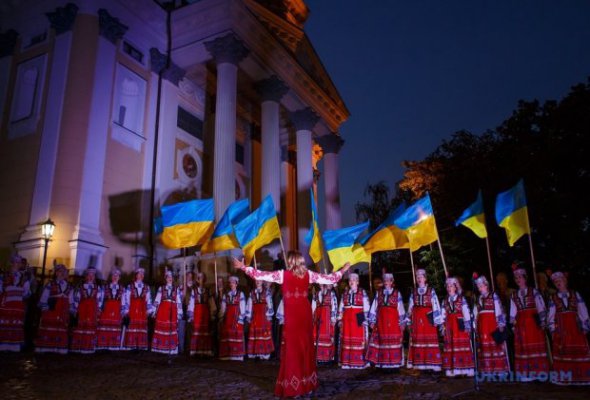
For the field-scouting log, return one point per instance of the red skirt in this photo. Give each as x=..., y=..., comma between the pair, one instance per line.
x=385, y=344
x=165, y=338
x=353, y=344
x=457, y=356
x=571, y=356
x=136, y=335
x=231, y=337
x=108, y=332
x=530, y=348
x=424, y=352
x=12, y=317
x=490, y=355
x=260, y=335
x=201, y=336
x=52, y=336
x=324, y=341
x=84, y=334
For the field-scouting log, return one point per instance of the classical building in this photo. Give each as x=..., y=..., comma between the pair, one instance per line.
x=112, y=108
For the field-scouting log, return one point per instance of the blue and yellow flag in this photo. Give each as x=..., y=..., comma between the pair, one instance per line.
x=188, y=223
x=313, y=237
x=512, y=213
x=473, y=218
x=258, y=229
x=419, y=224
x=387, y=236
x=341, y=246
x=223, y=237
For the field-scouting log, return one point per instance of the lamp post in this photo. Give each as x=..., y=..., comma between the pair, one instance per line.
x=47, y=229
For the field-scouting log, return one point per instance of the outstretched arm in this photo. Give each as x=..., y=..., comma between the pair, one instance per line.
x=328, y=279
x=268, y=276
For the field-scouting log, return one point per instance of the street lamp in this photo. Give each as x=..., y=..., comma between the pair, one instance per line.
x=47, y=229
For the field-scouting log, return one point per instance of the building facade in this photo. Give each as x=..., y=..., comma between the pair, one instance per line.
x=113, y=108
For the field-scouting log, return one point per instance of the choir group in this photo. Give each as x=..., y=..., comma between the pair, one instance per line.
x=548, y=332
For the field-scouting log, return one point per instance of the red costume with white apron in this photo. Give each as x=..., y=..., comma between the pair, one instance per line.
x=87, y=302
x=387, y=314
x=425, y=315
x=55, y=302
x=259, y=312
x=457, y=355
x=14, y=289
x=168, y=305
x=108, y=332
x=231, y=335
x=201, y=309
x=489, y=316
x=325, y=313
x=138, y=304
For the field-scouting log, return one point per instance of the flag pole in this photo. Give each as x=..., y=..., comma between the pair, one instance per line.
x=490, y=263
x=370, y=279
x=255, y=263
x=413, y=268
x=533, y=258
x=283, y=249
x=215, y=269
x=442, y=255
x=184, y=271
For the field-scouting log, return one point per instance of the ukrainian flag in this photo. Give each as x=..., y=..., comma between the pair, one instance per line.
x=512, y=213
x=188, y=223
x=419, y=224
x=387, y=236
x=474, y=218
x=313, y=237
x=223, y=237
x=258, y=229
x=341, y=246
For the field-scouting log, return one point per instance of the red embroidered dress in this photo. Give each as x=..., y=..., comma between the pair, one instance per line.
x=108, y=332
x=354, y=314
x=568, y=320
x=199, y=310
x=297, y=373
x=55, y=302
x=388, y=316
x=231, y=335
x=138, y=304
x=489, y=316
x=87, y=300
x=168, y=305
x=527, y=314
x=424, y=352
x=259, y=312
x=457, y=356
x=14, y=289
x=325, y=312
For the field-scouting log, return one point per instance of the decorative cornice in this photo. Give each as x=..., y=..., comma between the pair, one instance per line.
x=62, y=19
x=227, y=49
x=331, y=143
x=173, y=73
x=304, y=119
x=110, y=27
x=271, y=89
x=8, y=42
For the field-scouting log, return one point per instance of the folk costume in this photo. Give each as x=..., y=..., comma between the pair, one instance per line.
x=490, y=322
x=232, y=315
x=424, y=315
x=259, y=313
x=353, y=312
x=55, y=303
x=88, y=299
x=568, y=321
x=137, y=305
x=324, y=308
x=387, y=316
x=14, y=291
x=528, y=317
x=457, y=356
x=168, y=311
x=201, y=312
x=108, y=332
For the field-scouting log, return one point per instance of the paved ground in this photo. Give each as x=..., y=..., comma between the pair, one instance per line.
x=142, y=375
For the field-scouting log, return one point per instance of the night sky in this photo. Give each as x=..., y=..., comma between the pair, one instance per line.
x=412, y=73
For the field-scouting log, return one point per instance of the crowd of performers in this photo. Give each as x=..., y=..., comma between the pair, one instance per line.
x=546, y=331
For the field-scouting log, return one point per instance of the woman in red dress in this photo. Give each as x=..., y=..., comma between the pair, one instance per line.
x=87, y=303
x=528, y=315
x=353, y=319
x=568, y=321
x=168, y=310
x=232, y=315
x=201, y=311
x=108, y=333
x=14, y=290
x=297, y=373
x=387, y=319
x=137, y=305
x=325, y=312
x=457, y=355
x=259, y=312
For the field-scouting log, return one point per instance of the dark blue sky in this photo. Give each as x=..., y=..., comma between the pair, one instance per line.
x=414, y=72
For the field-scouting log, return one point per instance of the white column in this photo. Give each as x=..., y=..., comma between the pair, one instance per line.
x=227, y=51
x=304, y=121
x=271, y=90
x=331, y=145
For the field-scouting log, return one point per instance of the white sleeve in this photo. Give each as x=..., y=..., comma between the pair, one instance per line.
x=249, y=307
x=126, y=300
x=541, y=308
x=373, y=310
x=222, y=307
x=400, y=308
x=100, y=297
x=551, y=315
x=340, y=309
x=325, y=279
x=267, y=276
x=334, y=308
x=179, y=311
x=44, y=297
x=281, y=313
x=157, y=299
x=475, y=311
x=436, y=313
x=499, y=311
x=190, y=308
x=410, y=308
x=583, y=313
x=513, y=311
x=366, y=307
x=465, y=312
x=270, y=311
x=314, y=303
x=242, y=308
